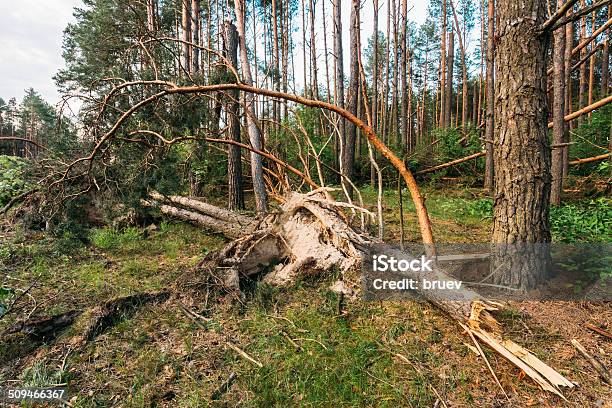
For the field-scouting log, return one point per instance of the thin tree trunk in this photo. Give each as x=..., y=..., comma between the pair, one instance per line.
x=313, y=52
x=234, y=165
x=482, y=63
x=558, y=113
x=186, y=35
x=605, y=61
x=443, y=122
x=396, y=78
x=449, y=83
x=374, y=108
x=592, y=65
x=569, y=45
x=353, y=94
x=385, y=94
x=582, y=90
x=463, y=69
x=276, y=64
x=195, y=34
x=338, y=51
x=151, y=15
x=259, y=187
x=490, y=88
x=328, y=88
x=403, y=49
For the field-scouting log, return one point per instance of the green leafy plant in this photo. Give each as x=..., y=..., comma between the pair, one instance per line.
x=588, y=222
x=5, y=295
x=12, y=178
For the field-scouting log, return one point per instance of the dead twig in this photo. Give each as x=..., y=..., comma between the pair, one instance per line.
x=223, y=388
x=601, y=369
x=599, y=330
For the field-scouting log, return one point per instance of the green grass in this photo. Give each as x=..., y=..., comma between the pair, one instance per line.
x=341, y=361
x=112, y=238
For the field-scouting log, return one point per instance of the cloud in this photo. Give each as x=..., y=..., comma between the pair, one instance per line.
x=31, y=33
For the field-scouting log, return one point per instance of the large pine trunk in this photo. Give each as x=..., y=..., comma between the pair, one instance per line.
x=521, y=228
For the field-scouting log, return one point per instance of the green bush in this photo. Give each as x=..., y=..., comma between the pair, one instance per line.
x=12, y=178
x=582, y=222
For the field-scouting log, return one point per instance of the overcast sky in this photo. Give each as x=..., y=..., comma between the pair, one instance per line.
x=31, y=40
x=30, y=45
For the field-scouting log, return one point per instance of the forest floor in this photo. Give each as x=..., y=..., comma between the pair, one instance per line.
x=392, y=354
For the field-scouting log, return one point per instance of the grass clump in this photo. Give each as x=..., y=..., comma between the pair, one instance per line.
x=112, y=238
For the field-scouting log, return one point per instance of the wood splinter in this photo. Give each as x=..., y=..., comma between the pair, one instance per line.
x=601, y=369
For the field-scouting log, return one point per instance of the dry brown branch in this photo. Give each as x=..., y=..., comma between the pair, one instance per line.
x=589, y=159
x=585, y=110
x=548, y=24
x=22, y=139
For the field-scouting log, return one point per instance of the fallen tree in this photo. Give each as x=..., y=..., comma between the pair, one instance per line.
x=309, y=235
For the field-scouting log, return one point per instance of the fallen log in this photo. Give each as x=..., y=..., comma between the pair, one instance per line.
x=308, y=235
x=589, y=159
x=245, y=223
x=228, y=228
x=585, y=110
x=452, y=163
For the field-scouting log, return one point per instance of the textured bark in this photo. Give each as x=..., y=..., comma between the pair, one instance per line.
x=195, y=34
x=338, y=51
x=404, y=76
x=582, y=86
x=490, y=115
x=605, y=61
x=464, y=75
x=443, y=122
x=348, y=158
x=186, y=35
x=234, y=163
x=259, y=187
x=151, y=15
x=569, y=45
x=522, y=152
x=558, y=113
x=375, y=70
x=313, y=52
x=592, y=65
x=449, y=83
x=394, y=126
x=276, y=61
